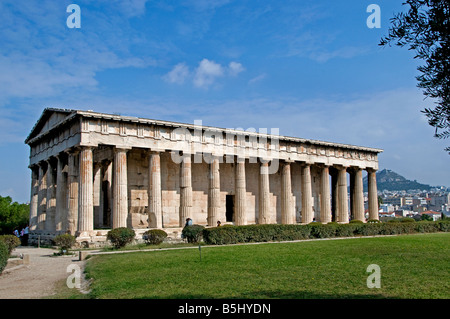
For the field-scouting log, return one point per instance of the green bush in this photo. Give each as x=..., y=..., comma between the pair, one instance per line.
x=64, y=241
x=10, y=241
x=323, y=231
x=356, y=221
x=277, y=232
x=120, y=237
x=193, y=233
x=154, y=236
x=4, y=255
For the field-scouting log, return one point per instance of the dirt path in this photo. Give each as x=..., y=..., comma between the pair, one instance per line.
x=37, y=279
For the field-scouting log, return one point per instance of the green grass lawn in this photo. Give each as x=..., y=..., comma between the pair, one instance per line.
x=412, y=266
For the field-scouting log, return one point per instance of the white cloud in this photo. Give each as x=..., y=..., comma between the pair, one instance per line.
x=178, y=74
x=234, y=68
x=204, y=75
x=257, y=78
x=207, y=72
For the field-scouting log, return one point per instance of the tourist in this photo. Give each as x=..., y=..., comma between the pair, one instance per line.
x=218, y=223
x=26, y=231
x=188, y=222
x=16, y=232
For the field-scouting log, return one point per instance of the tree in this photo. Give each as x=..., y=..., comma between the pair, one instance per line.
x=12, y=215
x=425, y=28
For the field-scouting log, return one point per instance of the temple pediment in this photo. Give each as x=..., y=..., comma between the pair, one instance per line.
x=50, y=118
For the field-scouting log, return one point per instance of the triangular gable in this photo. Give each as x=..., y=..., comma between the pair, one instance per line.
x=49, y=118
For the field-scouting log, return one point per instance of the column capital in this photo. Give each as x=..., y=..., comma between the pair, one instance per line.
x=73, y=151
x=118, y=148
x=371, y=170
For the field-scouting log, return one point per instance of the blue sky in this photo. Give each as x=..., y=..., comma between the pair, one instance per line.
x=313, y=69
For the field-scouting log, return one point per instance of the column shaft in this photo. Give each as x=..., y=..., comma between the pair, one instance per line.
x=42, y=197
x=34, y=204
x=358, y=196
x=51, y=198
x=373, y=194
x=307, y=211
x=185, y=189
x=154, y=191
x=85, y=199
x=240, y=188
x=325, y=202
x=264, y=194
x=342, y=196
x=214, y=193
x=287, y=203
x=61, y=194
x=120, y=189
x=72, y=198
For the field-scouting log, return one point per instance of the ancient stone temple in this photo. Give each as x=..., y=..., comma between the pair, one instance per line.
x=92, y=172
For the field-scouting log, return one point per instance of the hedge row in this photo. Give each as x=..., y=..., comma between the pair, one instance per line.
x=275, y=232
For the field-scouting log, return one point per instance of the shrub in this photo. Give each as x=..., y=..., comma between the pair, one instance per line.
x=10, y=241
x=154, y=236
x=4, y=255
x=356, y=221
x=120, y=237
x=374, y=221
x=407, y=220
x=444, y=225
x=64, y=241
x=193, y=233
x=323, y=231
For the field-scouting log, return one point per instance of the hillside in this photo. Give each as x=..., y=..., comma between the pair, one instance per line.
x=390, y=180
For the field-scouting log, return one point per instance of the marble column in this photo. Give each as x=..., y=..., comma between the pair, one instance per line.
x=72, y=190
x=325, y=201
x=120, y=189
x=42, y=196
x=264, y=194
x=85, y=198
x=358, y=195
x=307, y=200
x=342, y=217
x=214, y=192
x=51, y=197
x=97, y=194
x=34, y=204
x=61, y=194
x=373, y=194
x=287, y=202
x=185, y=189
x=154, y=191
x=241, y=194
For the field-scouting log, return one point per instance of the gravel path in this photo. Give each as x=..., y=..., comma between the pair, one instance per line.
x=38, y=279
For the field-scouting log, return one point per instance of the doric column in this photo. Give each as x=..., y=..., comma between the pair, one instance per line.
x=85, y=198
x=34, y=204
x=97, y=191
x=185, y=189
x=307, y=212
x=51, y=198
x=120, y=189
x=42, y=197
x=264, y=193
x=72, y=190
x=373, y=194
x=108, y=191
x=154, y=191
x=358, y=195
x=287, y=203
x=342, y=195
x=214, y=192
x=61, y=194
x=325, y=202
x=241, y=194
